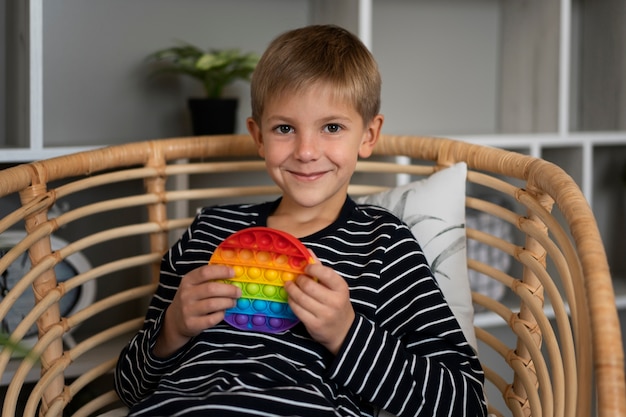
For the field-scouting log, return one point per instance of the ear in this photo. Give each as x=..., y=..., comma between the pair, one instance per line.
x=255, y=131
x=371, y=135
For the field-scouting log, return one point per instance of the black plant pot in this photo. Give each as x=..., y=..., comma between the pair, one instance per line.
x=213, y=116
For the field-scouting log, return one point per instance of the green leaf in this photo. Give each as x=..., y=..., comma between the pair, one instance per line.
x=7, y=343
x=215, y=69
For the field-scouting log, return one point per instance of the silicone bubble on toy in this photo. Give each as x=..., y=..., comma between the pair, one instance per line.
x=263, y=260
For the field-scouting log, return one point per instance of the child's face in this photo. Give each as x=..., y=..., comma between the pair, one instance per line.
x=311, y=142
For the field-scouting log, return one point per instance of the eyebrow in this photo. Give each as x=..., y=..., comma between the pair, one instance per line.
x=326, y=119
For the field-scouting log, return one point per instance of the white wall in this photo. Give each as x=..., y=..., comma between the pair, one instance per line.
x=453, y=65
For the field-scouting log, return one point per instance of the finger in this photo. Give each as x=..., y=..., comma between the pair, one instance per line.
x=302, y=305
x=191, y=310
x=325, y=276
x=307, y=294
x=211, y=320
x=189, y=292
x=209, y=273
x=196, y=324
x=215, y=289
x=215, y=304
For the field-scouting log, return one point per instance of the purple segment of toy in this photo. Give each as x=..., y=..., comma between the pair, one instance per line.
x=259, y=322
x=261, y=315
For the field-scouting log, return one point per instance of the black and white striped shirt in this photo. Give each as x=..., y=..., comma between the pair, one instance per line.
x=404, y=352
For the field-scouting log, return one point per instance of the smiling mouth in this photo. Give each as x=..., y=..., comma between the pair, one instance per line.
x=307, y=176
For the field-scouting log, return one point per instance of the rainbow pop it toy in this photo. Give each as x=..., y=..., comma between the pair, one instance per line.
x=263, y=260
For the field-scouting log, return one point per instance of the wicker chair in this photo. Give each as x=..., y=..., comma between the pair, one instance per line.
x=127, y=201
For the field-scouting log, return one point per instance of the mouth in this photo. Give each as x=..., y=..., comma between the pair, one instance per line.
x=307, y=176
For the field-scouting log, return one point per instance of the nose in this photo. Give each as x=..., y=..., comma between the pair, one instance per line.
x=307, y=147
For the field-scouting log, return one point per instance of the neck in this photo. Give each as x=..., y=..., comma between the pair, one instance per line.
x=301, y=221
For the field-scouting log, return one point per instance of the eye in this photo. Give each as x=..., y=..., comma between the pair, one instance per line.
x=283, y=129
x=332, y=128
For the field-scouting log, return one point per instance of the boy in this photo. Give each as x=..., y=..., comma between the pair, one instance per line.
x=375, y=331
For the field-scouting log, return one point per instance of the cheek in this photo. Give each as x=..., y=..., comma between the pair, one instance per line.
x=349, y=155
x=275, y=154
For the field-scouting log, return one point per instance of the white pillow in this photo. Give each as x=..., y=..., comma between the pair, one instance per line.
x=434, y=209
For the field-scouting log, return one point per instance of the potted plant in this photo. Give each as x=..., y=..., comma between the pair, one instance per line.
x=215, y=69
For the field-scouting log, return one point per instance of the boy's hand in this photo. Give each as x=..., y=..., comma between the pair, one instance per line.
x=199, y=304
x=323, y=305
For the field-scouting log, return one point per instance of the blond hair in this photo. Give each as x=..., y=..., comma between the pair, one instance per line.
x=300, y=58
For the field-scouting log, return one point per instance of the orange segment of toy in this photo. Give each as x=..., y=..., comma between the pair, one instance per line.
x=263, y=255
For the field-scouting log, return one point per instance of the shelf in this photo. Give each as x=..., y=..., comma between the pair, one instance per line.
x=8, y=155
